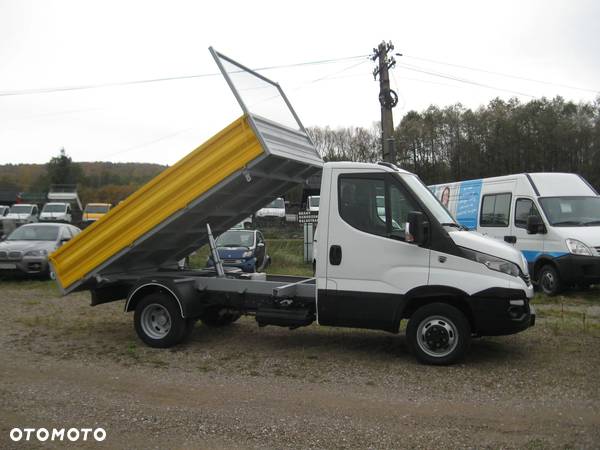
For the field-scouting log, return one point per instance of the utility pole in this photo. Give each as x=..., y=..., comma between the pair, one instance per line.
x=387, y=98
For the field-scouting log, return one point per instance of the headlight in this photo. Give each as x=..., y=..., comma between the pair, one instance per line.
x=247, y=254
x=492, y=263
x=578, y=248
x=36, y=253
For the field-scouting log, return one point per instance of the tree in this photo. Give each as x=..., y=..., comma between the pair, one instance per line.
x=62, y=170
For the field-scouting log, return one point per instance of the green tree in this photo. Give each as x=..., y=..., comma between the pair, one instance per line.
x=62, y=170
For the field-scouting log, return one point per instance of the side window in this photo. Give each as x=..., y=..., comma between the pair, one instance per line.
x=362, y=203
x=524, y=208
x=259, y=238
x=400, y=205
x=34, y=211
x=495, y=210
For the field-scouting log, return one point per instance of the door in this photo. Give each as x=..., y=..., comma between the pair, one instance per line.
x=532, y=245
x=494, y=216
x=369, y=266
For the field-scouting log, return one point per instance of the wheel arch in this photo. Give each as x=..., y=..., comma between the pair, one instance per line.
x=541, y=262
x=424, y=295
x=142, y=290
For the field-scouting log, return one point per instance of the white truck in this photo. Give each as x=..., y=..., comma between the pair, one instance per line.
x=411, y=261
x=56, y=212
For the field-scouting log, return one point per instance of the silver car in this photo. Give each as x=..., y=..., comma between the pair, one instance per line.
x=27, y=248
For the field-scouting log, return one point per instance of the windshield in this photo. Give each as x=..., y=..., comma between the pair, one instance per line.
x=56, y=208
x=96, y=209
x=426, y=196
x=277, y=203
x=313, y=201
x=236, y=239
x=572, y=211
x=34, y=233
x=20, y=209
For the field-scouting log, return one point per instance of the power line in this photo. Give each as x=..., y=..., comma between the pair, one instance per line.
x=462, y=80
x=156, y=80
x=503, y=74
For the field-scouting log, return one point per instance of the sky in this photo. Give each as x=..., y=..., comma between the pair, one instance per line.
x=46, y=44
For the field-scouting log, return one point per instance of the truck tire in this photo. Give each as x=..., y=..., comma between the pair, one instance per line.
x=158, y=322
x=549, y=281
x=218, y=317
x=438, y=334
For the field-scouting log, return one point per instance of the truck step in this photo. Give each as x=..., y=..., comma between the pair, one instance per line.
x=292, y=318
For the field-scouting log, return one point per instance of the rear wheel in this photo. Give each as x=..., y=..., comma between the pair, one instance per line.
x=158, y=322
x=549, y=281
x=438, y=334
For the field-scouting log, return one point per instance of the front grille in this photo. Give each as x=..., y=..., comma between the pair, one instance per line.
x=14, y=255
x=232, y=261
x=3, y=255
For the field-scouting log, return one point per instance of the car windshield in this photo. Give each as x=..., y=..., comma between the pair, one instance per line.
x=572, y=211
x=34, y=233
x=21, y=209
x=431, y=202
x=277, y=203
x=56, y=208
x=236, y=239
x=314, y=201
x=96, y=209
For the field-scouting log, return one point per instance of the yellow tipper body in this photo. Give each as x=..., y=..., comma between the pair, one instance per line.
x=229, y=151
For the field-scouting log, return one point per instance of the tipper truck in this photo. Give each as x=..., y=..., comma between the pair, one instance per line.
x=379, y=261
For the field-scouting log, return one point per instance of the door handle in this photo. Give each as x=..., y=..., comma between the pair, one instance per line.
x=510, y=239
x=335, y=255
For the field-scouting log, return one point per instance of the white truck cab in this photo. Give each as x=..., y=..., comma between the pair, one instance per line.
x=56, y=212
x=552, y=218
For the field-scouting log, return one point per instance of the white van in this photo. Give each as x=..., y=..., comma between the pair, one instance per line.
x=56, y=212
x=275, y=209
x=553, y=218
x=22, y=213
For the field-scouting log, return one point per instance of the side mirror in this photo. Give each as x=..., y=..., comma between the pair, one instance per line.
x=260, y=244
x=535, y=225
x=64, y=239
x=416, y=228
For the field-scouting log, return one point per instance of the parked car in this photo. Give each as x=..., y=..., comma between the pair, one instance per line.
x=274, y=210
x=26, y=249
x=56, y=212
x=23, y=213
x=245, y=249
x=94, y=211
x=312, y=203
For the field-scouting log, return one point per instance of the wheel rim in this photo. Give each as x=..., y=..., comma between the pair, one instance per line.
x=548, y=281
x=155, y=321
x=437, y=336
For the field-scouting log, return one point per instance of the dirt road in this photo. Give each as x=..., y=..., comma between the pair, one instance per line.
x=64, y=364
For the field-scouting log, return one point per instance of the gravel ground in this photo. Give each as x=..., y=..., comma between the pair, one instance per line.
x=64, y=364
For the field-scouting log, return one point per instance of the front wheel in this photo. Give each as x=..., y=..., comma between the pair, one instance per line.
x=438, y=334
x=158, y=322
x=549, y=281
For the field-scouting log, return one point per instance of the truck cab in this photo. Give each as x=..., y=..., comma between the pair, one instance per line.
x=56, y=212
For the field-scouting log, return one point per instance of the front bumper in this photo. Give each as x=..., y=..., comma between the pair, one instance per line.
x=247, y=265
x=30, y=265
x=578, y=269
x=501, y=311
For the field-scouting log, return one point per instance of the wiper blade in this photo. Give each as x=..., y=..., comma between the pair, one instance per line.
x=568, y=222
x=455, y=225
x=591, y=222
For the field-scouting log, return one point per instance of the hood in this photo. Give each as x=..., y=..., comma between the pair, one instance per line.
x=17, y=216
x=590, y=236
x=53, y=214
x=25, y=246
x=232, y=252
x=484, y=244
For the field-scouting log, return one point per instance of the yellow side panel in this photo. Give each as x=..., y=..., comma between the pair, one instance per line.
x=222, y=155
